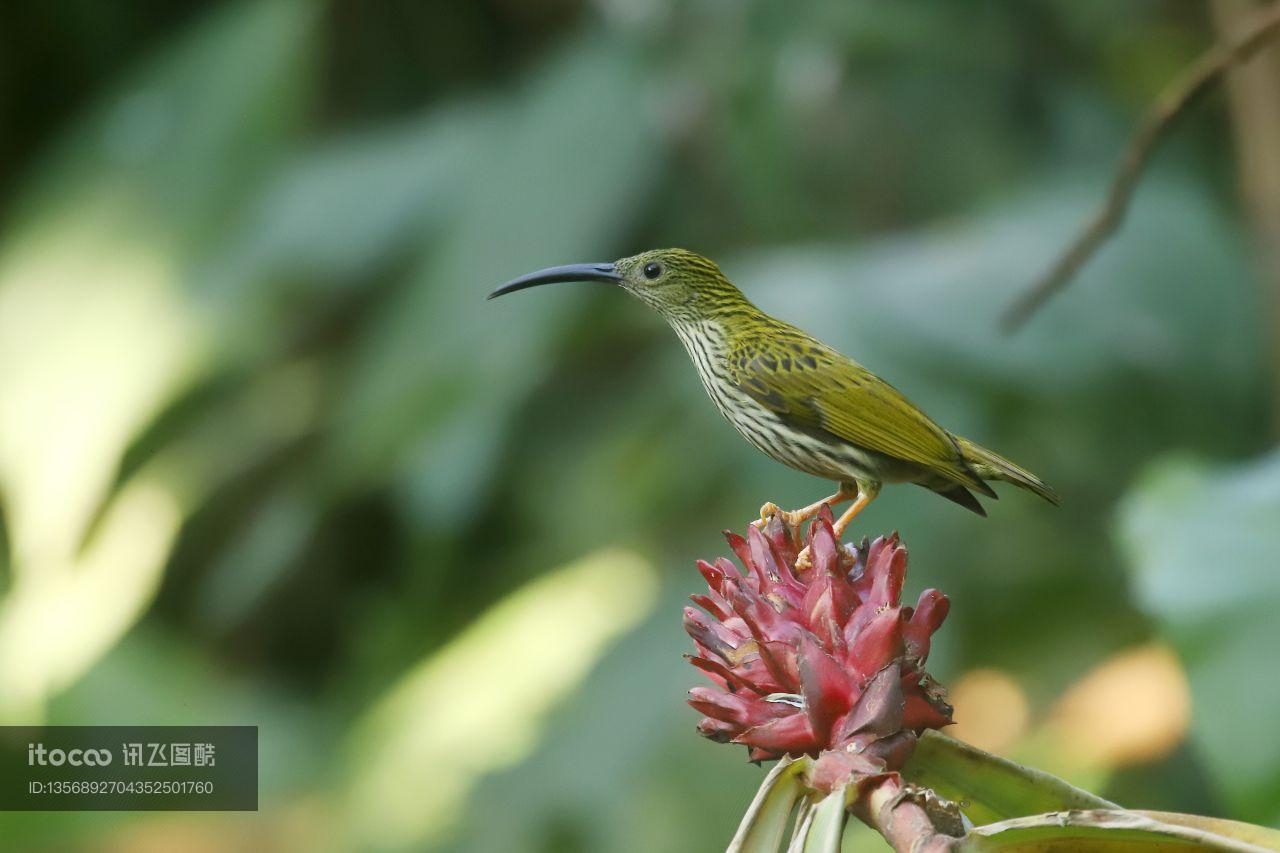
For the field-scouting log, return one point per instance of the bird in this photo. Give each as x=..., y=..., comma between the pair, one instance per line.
x=798, y=400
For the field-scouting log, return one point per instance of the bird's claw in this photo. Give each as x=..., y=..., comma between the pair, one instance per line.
x=767, y=512
x=790, y=520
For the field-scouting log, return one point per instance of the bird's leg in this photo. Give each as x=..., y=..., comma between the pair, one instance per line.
x=795, y=518
x=864, y=494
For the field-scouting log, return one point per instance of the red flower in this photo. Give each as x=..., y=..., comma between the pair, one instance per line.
x=822, y=662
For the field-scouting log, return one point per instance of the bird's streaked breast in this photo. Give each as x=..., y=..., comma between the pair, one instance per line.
x=708, y=347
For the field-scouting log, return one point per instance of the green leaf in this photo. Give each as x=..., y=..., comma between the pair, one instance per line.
x=826, y=823
x=990, y=788
x=97, y=335
x=338, y=211
x=765, y=822
x=1248, y=832
x=538, y=190
x=932, y=297
x=1201, y=545
x=481, y=703
x=1101, y=830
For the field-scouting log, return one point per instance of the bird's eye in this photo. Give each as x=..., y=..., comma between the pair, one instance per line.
x=652, y=270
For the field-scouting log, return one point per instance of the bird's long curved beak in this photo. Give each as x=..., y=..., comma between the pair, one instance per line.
x=568, y=272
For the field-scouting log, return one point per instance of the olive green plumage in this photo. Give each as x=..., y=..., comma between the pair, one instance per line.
x=795, y=398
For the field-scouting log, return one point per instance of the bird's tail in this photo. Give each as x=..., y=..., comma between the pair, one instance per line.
x=992, y=466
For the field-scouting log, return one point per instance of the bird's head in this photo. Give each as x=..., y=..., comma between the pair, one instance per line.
x=679, y=284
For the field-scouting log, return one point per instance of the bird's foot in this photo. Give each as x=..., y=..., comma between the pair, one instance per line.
x=863, y=498
x=767, y=512
x=793, y=520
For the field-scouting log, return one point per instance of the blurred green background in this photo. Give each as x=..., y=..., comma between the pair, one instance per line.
x=268, y=457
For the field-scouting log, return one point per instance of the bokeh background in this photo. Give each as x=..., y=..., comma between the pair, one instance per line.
x=267, y=456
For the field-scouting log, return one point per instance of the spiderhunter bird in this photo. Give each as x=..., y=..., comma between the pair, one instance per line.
x=795, y=398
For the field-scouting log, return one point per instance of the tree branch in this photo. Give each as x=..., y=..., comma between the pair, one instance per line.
x=1253, y=93
x=1196, y=80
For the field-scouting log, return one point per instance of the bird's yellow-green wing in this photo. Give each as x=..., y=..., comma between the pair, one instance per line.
x=814, y=387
